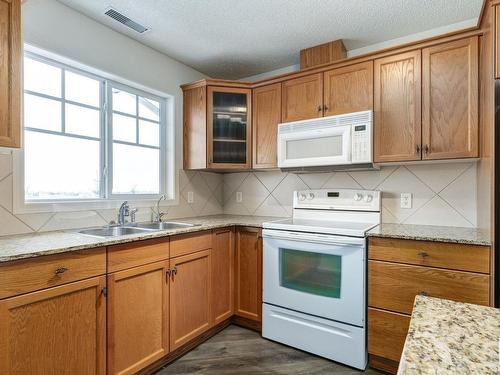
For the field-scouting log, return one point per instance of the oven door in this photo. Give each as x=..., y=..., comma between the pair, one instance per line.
x=315, y=147
x=317, y=274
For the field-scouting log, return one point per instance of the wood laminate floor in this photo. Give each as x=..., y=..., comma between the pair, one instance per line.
x=240, y=351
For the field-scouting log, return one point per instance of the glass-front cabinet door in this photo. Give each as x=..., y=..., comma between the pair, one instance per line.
x=229, y=119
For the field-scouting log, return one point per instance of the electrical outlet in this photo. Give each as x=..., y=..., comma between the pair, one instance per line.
x=190, y=197
x=239, y=197
x=406, y=200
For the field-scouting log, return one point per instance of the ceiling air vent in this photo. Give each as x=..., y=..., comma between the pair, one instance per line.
x=117, y=16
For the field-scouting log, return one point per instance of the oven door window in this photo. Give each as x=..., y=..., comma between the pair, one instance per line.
x=312, y=273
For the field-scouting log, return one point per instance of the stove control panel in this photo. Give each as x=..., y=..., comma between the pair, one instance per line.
x=338, y=199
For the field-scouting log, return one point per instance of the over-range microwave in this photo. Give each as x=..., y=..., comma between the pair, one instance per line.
x=336, y=141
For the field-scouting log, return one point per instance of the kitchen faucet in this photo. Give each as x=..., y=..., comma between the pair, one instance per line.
x=123, y=212
x=157, y=215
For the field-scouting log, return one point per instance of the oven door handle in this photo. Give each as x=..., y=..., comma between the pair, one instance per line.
x=313, y=238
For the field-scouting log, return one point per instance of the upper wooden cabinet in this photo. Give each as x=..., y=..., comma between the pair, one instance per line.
x=397, y=109
x=10, y=73
x=266, y=117
x=138, y=320
x=59, y=330
x=348, y=89
x=302, y=98
x=217, y=126
x=450, y=91
x=195, y=128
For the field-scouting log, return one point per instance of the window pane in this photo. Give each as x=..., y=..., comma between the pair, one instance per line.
x=42, y=113
x=136, y=170
x=82, y=89
x=60, y=167
x=124, y=128
x=149, y=109
x=124, y=102
x=42, y=78
x=149, y=133
x=82, y=121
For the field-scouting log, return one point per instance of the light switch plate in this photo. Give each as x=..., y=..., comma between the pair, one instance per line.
x=190, y=197
x=239, y=197
x=406, y=200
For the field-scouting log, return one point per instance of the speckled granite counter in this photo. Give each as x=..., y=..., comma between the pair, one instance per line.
x=472, y=236
x=31, y=245
x=447, y=337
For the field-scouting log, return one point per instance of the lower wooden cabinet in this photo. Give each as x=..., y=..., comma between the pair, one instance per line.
x=248, y=273
x=398, y=270
x=60, y=330
x=190, y=297
x=222, y=275
x=138, y=317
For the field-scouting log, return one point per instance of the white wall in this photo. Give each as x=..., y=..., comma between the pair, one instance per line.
x=52, y=26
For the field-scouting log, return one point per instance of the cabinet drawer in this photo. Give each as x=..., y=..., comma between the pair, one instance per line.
x=138, y=253
x=190, y=243
x=387, y=333
x=462, y=257
x=394, y=286
x=28, y=275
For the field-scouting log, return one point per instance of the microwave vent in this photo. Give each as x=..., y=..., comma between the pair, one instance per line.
x=356, y=118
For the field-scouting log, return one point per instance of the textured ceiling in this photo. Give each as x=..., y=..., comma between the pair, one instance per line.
x=238, y=38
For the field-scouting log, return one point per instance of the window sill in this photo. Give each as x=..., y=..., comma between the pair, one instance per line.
x=87, y=205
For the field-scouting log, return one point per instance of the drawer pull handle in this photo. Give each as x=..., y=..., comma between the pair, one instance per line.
x=168, y=272
x=424, y=293
x=174, y=271
x=61, y=270
x=423, y=254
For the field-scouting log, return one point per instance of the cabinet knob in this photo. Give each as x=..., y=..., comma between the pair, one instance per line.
x=61, y=270
x=423, y=254
x=418, y=149
x=320, y=108
x=426, y=149
x=325, y=108
x=168, y=272
x=174, y=271
x=424, y=293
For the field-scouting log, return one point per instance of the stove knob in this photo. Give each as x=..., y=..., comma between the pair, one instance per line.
x=368, y=198
x=302, y=197
x=310, y=196
x=358, y=197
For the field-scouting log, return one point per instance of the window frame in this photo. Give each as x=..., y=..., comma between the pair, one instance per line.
x=106, y=199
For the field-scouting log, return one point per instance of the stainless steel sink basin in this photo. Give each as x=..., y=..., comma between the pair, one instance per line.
x=113, y=231
x=163, y=225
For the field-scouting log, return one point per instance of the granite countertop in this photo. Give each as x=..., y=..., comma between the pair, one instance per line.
x=32, y=245
x=447, y=337
x=471, y=236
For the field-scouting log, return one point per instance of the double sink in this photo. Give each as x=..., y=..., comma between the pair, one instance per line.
x=133, y=228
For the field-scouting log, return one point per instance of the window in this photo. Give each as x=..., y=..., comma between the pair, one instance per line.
x=90, y=138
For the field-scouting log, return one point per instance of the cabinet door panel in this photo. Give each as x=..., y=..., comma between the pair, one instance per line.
x=450, y=100
x=222, y=275
x=61, y=330
x=138, y=317
x=397, y=126
x=302, y=98
x=195, y=128
x=190, y=294
x=248, y=274
x=266, y=117
x=349, y=89
x=11, y=55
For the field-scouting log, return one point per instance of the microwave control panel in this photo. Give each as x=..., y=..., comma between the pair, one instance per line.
x=361, y=144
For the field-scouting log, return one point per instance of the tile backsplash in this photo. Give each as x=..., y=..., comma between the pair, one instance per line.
x=443, y=194
x=207, y=189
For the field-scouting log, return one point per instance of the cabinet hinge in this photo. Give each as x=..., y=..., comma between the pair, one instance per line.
x=105, y=291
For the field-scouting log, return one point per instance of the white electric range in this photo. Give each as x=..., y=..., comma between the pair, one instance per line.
x=314, y=291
